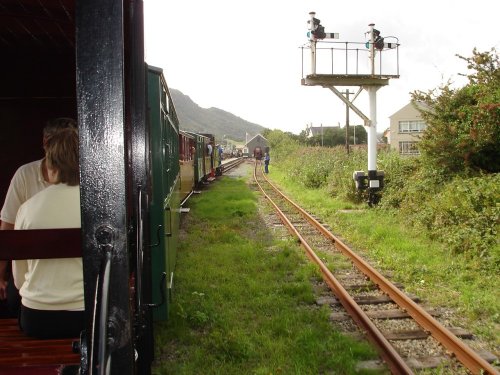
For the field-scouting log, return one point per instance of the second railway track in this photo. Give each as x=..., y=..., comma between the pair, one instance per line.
x=408, y=337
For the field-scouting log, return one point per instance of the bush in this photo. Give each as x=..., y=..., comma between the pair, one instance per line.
x=462, y=212
x=340, y=182
x=410, y=186
x=311, y=166
x=398, y=171
x=466, y=214
x=462, y=124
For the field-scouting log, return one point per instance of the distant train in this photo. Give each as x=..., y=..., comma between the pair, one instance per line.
x=200, y=161
x=136, y=168
x=257, y=153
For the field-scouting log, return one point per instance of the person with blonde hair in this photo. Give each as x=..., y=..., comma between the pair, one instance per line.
x=51, y=290
x=28, y=180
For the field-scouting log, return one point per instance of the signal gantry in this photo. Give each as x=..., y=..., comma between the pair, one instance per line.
x=345, y=70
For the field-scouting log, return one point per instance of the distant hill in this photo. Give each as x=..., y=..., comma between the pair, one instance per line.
x=212, y=120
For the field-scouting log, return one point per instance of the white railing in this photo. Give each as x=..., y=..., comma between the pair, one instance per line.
x=350, y=58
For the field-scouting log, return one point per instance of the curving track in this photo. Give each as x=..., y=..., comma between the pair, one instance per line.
x=372, y=304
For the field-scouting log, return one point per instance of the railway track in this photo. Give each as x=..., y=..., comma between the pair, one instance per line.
x=232, y=163
x=391, y=319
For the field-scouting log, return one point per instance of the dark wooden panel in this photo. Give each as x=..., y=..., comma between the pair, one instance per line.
x=40, y=244
x=21, y=126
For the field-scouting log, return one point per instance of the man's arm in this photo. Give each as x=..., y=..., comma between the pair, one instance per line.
x=6, y=226
x=3, y=266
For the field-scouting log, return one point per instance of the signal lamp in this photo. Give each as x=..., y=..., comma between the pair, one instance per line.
x=319, y=33
x=378, y=40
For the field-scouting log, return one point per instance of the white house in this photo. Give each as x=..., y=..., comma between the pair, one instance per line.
x=406, y=128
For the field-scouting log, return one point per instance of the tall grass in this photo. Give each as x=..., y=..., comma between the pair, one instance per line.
x=461, y=211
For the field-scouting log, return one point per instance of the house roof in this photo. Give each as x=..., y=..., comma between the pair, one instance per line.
x=255, y=136
x=412, y=104
x=316, y=130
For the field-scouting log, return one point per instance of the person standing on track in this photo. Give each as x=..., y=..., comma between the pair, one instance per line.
x=267, y=159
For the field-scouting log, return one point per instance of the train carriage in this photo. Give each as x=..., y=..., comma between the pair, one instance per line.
x=199, y=162
x=85, y=59
x=164, y=195
x=187, y=157
x=209, y=157
x=202, y=164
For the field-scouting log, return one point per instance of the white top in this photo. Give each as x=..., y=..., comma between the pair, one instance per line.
x=50, y=284
x=27, y=181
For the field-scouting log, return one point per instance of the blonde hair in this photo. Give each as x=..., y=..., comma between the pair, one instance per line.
x=62, y=155
x=56, y=124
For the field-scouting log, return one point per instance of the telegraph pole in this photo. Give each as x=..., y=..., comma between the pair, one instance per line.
x=347, y=93
x=321, y=134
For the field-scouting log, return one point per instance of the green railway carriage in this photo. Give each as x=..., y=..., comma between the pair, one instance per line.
x=210, y=153
x=197, y=162
x=163, y=126
x=202, y=164
x=187, y=157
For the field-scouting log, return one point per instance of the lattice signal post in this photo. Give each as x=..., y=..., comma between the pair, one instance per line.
x=370, y=81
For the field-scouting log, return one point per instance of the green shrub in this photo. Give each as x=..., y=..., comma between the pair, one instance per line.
x=462, y=212
x=310, y=166
x=317, y=164
x=340, y=182
x=398, y=172
x=466, y=214
x=413, y=192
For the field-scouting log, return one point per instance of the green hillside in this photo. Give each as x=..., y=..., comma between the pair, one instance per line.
x=216, y=121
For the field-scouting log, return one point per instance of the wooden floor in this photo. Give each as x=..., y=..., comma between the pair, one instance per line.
x=22, y=355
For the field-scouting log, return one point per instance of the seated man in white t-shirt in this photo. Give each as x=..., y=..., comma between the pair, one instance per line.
x=52, y=300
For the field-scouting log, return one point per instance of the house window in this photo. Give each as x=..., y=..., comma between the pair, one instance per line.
x=408, y=148
x=416, y=126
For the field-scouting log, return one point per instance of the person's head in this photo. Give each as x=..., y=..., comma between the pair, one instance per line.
x=54, y=125
x=62, y=157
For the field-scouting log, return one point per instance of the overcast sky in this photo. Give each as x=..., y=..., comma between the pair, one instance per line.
x=244, y=56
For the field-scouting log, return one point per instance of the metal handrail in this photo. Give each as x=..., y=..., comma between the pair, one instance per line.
x=342, y=51
x=103, y=352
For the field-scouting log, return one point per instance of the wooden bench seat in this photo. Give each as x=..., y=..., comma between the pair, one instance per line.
x=19, y=354
x=22, y=355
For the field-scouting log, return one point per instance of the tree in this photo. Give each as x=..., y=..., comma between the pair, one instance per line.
x=281, y=143
x=463, y=131
x=361, y=135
